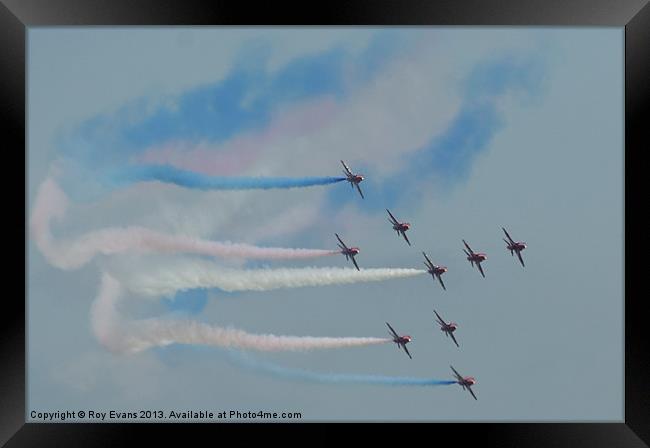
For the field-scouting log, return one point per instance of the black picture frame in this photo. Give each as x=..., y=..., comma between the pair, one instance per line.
x=17, y=15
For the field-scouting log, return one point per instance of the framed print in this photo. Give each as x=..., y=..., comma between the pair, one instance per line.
x=369, y=212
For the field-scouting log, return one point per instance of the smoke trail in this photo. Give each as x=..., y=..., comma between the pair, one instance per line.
x=190, y=179
x=334, y=378
x=51, y=202
x=158, y=278
x=138, y=335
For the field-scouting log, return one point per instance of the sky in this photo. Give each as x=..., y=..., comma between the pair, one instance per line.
x=459, y=131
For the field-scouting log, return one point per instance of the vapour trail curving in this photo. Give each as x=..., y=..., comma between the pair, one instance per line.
x=137, y=335
x=191, y=179
x=51, y=203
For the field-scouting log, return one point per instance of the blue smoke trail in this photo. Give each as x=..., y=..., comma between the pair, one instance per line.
x=333, y=378
x=190, y=179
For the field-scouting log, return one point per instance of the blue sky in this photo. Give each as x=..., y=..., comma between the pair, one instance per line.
x=458, y=130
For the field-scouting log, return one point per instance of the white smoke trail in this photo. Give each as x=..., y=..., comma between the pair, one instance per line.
x=138, y=335
x=51, y=202
x=162, y=278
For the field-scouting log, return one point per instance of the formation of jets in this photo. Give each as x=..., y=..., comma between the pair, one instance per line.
x=436, y=271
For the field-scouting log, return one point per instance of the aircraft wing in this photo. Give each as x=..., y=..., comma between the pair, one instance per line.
x=471, y=392
x=441, y=283
x=393, y=220
x=406, y=238
x=468, y=248
x=341, y=241
x=460, y=378
x=480, y=269
x=406, y=350
x=355, y=264
x=359, y=189
x=347, y=170
x=440, y=319
x=454, y=339
x=506, y=232
x=392, y=330
x=520, y=259
x=425, y=256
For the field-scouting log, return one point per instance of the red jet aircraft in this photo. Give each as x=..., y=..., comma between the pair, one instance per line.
x=475, y=257
x=401, y=341
x=465, y=382
x=399, y=227
x=354, y=179
x=349, y=252
x=435, y=271
x=515, y=246
x=448, y=328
